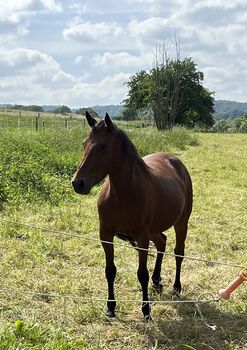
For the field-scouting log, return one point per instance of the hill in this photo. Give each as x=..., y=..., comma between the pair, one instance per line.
x=229, y=109
x=112, y=110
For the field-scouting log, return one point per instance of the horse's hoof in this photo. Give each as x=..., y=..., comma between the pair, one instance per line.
x=148, y=318
x=176, y=293
x=158, y=288
x=110, y=313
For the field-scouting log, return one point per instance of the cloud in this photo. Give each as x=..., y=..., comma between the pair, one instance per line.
x=33, y=77
x=15, y=16
x=14, y=11
x=80, y=8
x=122, y=60
x=78, y=59
x=89, y=33
x=151, y=31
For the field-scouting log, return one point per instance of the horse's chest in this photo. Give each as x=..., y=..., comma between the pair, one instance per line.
x=125, y=217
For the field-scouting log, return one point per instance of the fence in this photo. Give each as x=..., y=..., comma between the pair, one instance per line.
x=38, y=123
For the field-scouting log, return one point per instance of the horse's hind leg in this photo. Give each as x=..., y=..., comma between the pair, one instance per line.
x=181, y=232
x=160, y=244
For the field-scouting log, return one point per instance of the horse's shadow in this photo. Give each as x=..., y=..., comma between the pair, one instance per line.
x=181, y=326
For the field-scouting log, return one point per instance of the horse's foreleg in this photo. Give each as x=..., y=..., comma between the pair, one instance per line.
x=181, y=232
x=110, y=272
x=143, y=277
x=160, y=244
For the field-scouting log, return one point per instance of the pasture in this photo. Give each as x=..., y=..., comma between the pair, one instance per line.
x=35, y=189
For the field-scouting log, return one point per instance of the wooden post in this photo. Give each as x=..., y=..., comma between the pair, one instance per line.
x=36, y=123
x=66, y=124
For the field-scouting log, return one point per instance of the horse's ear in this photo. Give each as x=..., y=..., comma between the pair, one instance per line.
x=108, y=122
x=91, y=121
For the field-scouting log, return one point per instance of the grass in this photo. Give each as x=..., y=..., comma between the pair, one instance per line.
x=35, y=189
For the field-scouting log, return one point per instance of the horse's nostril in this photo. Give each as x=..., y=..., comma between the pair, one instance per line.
x=81, y=183
x=78, y=185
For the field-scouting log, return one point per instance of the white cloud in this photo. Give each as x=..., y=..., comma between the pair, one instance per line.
x=151, y=31
x=78, y=59
x=14, y=11
x=29, y=76
x=15, y=16
x=122, y=60
x=79, y=8
x=91, y=32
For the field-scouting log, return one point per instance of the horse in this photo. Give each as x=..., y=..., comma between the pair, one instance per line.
x=140, y=198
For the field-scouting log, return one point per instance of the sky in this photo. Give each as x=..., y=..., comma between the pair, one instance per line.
x=80, y=53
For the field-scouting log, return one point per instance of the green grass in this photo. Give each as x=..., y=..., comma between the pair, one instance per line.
x=35, y=189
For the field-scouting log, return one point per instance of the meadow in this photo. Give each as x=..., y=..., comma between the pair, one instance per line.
x=35, y=189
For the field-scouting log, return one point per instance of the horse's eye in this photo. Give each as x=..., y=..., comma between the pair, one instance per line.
x=103, y=146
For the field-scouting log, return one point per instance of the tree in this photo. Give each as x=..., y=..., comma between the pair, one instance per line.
x=82, y=111
x=140, y=90
x=173, y=90
x=62, y=110
x=129, y=114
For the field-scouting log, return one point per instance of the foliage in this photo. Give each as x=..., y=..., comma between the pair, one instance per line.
x=62, y=110
x=194, y=103
x=82, y=111
x=231, y=125
x=33, y=108
x=129, y=114
x=31, y=169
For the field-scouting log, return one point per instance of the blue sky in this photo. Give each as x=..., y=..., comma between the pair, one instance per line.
x=80, y=53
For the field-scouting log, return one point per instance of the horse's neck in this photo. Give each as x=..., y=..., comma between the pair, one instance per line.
x=126, y=178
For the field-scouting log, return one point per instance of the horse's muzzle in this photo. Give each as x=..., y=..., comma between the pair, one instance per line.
x=80, y=186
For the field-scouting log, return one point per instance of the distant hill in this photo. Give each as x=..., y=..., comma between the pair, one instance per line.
x=112, y=110
x=229, y=109
x=49, y=108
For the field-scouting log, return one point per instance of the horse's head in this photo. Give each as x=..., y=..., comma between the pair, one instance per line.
x=98, y=151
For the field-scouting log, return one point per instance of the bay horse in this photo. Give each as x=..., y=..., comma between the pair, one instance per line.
x=141, y=198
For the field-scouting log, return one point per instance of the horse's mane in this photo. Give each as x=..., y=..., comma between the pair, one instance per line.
x=129, y=150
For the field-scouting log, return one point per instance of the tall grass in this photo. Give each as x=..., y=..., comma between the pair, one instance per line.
x=38, y=166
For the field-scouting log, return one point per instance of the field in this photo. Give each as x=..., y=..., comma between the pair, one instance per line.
x=38, y=266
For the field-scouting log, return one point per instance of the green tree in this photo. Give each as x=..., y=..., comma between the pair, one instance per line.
x=140, y=91
x=82, y=111
x=129, y=114
x=174, y=92
x=62, y=110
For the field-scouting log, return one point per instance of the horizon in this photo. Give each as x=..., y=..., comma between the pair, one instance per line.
x=96, y=105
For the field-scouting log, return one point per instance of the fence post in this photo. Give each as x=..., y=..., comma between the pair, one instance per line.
x=36, y=123
x=66, y=124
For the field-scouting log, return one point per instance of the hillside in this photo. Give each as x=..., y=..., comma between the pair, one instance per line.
x=112, y=110
x=229, y=109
